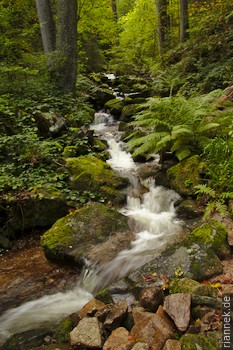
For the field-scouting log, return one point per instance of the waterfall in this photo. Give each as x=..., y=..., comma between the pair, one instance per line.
x=154, y=213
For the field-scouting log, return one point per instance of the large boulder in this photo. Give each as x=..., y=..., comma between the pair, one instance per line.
x=85, y=233
x=115, y=107
x=92, y=174
x=185, y=175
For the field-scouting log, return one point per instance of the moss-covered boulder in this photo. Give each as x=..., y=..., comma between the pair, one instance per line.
x=115, y=107
x=128, y=112
x=85, y=233
x=196, y=341
x=93, y=174
x=185, y=175
x=212, y=235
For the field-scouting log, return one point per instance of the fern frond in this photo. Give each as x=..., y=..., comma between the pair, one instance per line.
x=207, y=127
x=183, y=153
x=204, y=189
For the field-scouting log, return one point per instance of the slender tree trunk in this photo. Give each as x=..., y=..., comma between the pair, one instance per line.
x=47, y=27
x=66, y=45
x=114, y=8
x=163, y=25
x=184, y=23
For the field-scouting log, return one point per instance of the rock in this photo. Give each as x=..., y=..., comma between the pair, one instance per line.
x=207, y=301
x=105, y=296
x=89, y=172
x=115, y=107
x=27, y=340
x=128, y=112
x=102, y=314
x=63, y=329
x=210, y=322
x=187, y=285
x=172, y=344
x=116, y=316
x=118, y=340
x=88, y=333
x=72, y=238
x=50, y=124
x=190, y=209
x=100, y=96
x=153, y=329
x=195, y=341
x=212, y=235
x=177, y=306
x=186, y=259
x=140, y=346
x=91, y=308
x=40, y=208
x=151, y=297
x=185, y=175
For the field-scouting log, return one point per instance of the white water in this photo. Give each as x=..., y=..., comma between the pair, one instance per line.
x=156, y=227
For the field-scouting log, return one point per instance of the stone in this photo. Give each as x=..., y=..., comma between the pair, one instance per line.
x=77, y=235
x=119, y=340
x=92, y=173
x=185, y=175
x=116, y=315
x=91, y=308
x=207, y=301
x=151, y=297
x=172, y=344
x=140, y=346
x=128, y=112
x=190, y=209
x=153, y=329
x=88, y=333
x=177, y=306
x=50, y=123
x=115, y=107
x=187, y=285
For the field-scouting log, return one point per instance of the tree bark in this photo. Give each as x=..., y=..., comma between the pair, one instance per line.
x=184, y=23
x=163, y=25
x=47, y=27
x=66, y=45
x=114, y=9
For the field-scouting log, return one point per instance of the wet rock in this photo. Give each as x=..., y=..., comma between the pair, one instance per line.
x=172, y=344
x=153, y=329
x=118, y=340
x=196, y=341
x=115, y=107
x=190, y=209
x=207, y=301
x=105, y=296
x=210, y=322
x=89, y=172
x=116, y=315
x=185, y=175
x=79, y=234
x=151, y=297
x=100, y=96
x=91, y=308
x=102, y=313
x=63, y=329
x=128, y=112
x=177, y=306
x=50, y=124
x=88, y=334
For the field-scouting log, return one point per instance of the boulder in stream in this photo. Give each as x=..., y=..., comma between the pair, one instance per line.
x=94, y=232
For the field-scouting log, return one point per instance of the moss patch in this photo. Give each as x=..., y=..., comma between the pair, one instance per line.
x=195, y=341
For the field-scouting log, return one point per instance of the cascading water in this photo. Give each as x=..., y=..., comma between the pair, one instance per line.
x=156, y=225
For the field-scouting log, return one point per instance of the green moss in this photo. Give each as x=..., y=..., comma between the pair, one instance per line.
x=185, y=175
x=212, y=235
x=62, y=333
x=195, y=341
x=186, y=285
x=104, y=296
x=115, y=106
x=69, y=151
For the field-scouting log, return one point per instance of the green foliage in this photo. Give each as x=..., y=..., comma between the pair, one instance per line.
x=219, y=174
x=175, y=124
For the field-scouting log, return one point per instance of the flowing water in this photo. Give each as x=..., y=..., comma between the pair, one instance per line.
x=154, y=214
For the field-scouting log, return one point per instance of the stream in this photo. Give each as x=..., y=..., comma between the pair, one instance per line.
x=156, y=226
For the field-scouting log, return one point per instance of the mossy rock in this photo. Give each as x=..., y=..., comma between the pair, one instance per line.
x=27, y=340
x=90, y=172
x=72, y=238
x=196, y=341
x=128, y=112
x=212, y=235
x=185, y=175
x=69, y=151
x=187, y=285
x=63, y=329
x=104, y=296
x=115, y=107
x=190, y=209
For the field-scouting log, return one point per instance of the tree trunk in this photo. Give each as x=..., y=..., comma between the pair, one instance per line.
x=66, y=45
x=47, y=27
x=184, y=23
x=114, y=9
x=163, y=26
